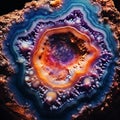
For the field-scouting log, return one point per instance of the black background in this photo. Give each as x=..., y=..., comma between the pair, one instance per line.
x=7, y=6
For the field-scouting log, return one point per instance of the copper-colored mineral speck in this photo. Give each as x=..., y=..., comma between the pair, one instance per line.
x=56, y=3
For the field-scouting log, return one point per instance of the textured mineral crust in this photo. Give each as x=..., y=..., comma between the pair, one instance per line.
x=108, y=110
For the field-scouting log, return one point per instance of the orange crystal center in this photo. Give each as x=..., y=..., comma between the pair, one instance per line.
x=56, y=72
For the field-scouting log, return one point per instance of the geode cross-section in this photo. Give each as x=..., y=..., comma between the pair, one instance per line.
x=64, y=60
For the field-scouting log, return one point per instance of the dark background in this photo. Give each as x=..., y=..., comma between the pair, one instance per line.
x=7, y=6
x=112, y=113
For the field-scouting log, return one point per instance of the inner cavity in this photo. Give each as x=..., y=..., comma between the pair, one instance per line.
x=63, y=47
